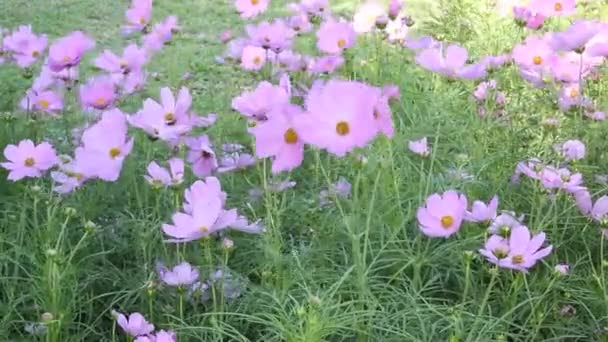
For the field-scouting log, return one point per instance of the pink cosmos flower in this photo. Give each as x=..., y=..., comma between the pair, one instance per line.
x=599, y=211
x=394, y=8
x=481, y=92
x=274, y=35
x=450, y=61
x=182, y=274
x=342, y=188
x=481, y=212
x=251, y=8
x=530, y=19
x=290, y=61
x=66, y=52
x=160, y=336
x=299, y=24
x=570, y=96
x=534, y=53
x=137, y=16
x=161, y=34
x=495, y=249
x=135, y=324
x=133, y=82
x=340, y=116
x=202, y=191
x=235, y=161
x=382, y=115
x=572, y=150
x=253, y=58
x=325, y=65
x=333, y=37
x=72, y=174
x=152, y=118
x=553, y=8
x=312, y=8
x=132, y=60
x=442, y=214
x=524, y=250
x=98, y=93
x=46, y=101
x=257, y=104
x=207, y=217
x=279, y=137
x=25, y=46
x=575, y=37
x=421, y=43
x=28, y=160
x=201, y=155
x=225, y=36
x=597, y=115
x=583, y=200
x=504, y=223
x=106, y=145
x=562, y=178
x=419, y=147
x=158, y=175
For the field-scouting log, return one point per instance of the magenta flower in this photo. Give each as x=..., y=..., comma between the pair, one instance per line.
x=251, y=8
x=530, y=19
x=207, y=217
x=340, y=116
x=161, y=34
x=279, y=137
x=160, y=176
x=420, y=147
x=325, y=65
x=253, y=58
x=72, y=174
x=562, y=178
x=202, y=191
x=66, y=52
x=583, y=200
x=133, y=82
x=132, y=60
x=137, y=16
x=98, y=93
x=180, y=275
x=257, y=104
x=235, y=161
x=451, y=62
x=599, y=211
x=25, y=46
x=553, y=8
x=570, y=96
x=225, y=36
x=575, y=37
x=270, y=35
x=106, y=145
x=333, y=37
x=572, y=150
x=442, y=214
x=394, y=8
x=201, y=155
x=290, y=61
x=524, y=250
x=152, y=118
x=46, y=101
x=28, y=160
x=534, y=53
x=299, y=23
x=482, y=212
x=135, y=324
x=313, y=8
x=495, y=249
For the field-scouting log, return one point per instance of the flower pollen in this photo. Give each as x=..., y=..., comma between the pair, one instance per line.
x=537, y=60
x=517, y=259
x=341, y=43
x=290, y=136
x=447, y=221
x=44, y=104
x=342, y=128
x=114, y=152
x=558, y=7
x=29, y=162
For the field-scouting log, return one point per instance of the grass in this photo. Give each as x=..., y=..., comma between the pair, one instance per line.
x=358, y=270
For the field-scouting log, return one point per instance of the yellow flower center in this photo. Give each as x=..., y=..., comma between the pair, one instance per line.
x=100, y=102
x=35, y=53
x=169, y=117
x=123, y=63
x=517, y=259
x=44, y=104
x=447, y=221
x=290, y=136
x=341, y=43
x=342, y=128
x=500, y=253
x=114, y=152
x=573, y=93
x=537, y=60
x=29, y=162
x=203, y=229
x=376, y=114
x=66, y=59
x=78, y=176
x=255, y=2
x=257, y=60
x=142, y=20
x=558, y=6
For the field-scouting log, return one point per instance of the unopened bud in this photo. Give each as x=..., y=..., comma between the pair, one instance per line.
x=227, y=244
x=46, y=317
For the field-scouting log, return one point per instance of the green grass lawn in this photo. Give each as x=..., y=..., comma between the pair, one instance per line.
x=356, y=270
